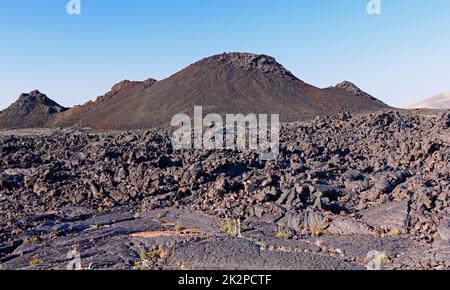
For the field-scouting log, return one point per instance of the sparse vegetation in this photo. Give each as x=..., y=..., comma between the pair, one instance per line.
x=161, y=215
x=147, y=260
x=293, y=201
x=395, y=233
x=231, y=227
x=32, y=240
x=35, y=262
x=281, y=235
x=320, y=232
x=155, y=253
x=376, y=260
x=179, y=227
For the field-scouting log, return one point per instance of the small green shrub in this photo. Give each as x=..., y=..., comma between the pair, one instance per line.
x=161, y=215
x=35, y=262
x=179, y=227
x=147, y=260
x=32, y=240
x=231, y=227
x=281, y=235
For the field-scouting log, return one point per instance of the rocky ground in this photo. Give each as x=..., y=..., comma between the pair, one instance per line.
x=347, y=192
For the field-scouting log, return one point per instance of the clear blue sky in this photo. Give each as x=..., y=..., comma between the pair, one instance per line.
x=399, y=56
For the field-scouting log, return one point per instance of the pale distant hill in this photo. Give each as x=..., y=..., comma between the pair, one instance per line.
x=441, y=101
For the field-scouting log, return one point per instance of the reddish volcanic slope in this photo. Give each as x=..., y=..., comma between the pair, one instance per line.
x=229, y=83
x=102, y=112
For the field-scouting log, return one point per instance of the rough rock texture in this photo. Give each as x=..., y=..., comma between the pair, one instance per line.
x=348, y=226
x=30, y=110
x=241, y=254
x=342, y=186
x=389, y=216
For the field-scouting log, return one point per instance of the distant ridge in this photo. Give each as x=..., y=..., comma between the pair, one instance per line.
x=228, y=83
x=441, y=101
